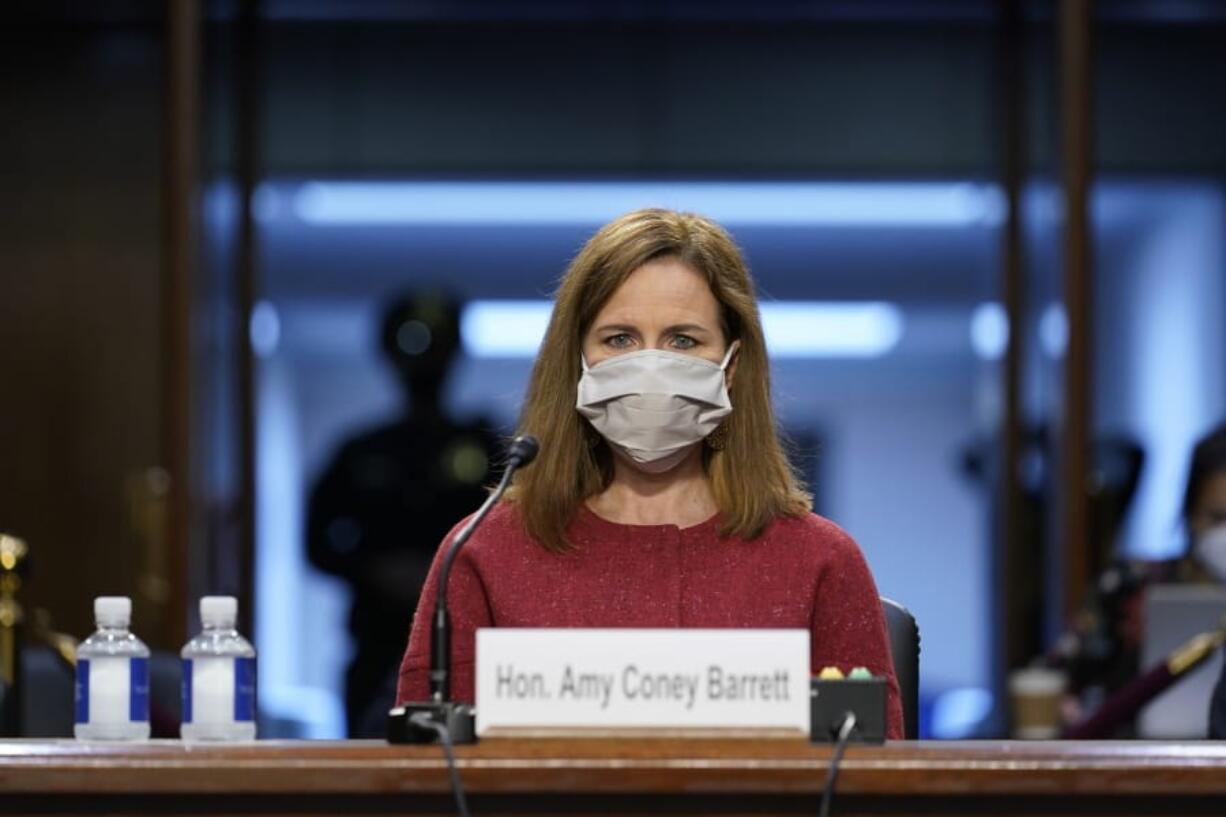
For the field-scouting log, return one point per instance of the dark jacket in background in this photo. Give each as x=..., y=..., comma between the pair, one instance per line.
x=1217, y=708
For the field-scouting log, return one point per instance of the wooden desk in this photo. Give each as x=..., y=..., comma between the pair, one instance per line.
x=611, y=776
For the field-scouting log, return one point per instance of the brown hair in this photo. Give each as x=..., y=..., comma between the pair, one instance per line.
x=1208, y=458
x=751, y=478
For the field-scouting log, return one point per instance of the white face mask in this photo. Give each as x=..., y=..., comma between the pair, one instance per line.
x=654, y=404
x=1211, y=551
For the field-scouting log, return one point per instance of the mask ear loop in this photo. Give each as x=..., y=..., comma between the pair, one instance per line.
x=590, y=435
x=736, y=344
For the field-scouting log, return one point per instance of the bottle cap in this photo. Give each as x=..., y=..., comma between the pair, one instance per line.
x=112, y=611
x=859, y=673
x=830, y=674
x=219, y=611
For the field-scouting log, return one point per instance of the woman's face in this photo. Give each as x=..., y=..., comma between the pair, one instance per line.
x=1210, y=508
x=664, y=304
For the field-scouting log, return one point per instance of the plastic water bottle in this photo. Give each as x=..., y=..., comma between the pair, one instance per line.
x=218, y=677
x=112, y=689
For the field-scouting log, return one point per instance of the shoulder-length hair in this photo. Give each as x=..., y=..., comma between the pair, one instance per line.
x=751, y=478
x=1208, y=459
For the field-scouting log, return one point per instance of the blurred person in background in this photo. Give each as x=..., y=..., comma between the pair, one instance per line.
x=1101, y=648
x=391, y=493
x=1204, y=509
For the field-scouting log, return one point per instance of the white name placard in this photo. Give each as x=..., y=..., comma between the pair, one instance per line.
x=641, y=678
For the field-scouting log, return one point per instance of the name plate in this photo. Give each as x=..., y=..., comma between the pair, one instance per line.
x=641, y=678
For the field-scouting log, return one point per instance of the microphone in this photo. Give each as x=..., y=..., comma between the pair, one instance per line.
x=522, y=451
x=419, y=722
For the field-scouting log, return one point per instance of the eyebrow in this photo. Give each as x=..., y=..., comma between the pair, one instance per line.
x=669, y=330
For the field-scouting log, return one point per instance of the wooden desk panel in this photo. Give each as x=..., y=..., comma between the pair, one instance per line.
x=626, y=776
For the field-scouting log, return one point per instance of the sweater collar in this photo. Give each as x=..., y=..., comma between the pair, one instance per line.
x=587, y=520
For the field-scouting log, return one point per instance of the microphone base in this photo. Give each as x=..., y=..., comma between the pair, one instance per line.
x=460, y=720
x=830, y=701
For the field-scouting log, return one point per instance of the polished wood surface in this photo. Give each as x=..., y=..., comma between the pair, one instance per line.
x=653, y=775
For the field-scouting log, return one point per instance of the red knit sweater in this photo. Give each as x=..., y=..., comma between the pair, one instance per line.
x=801, y=573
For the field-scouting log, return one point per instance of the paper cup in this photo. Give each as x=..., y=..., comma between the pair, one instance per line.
x=1034, y=695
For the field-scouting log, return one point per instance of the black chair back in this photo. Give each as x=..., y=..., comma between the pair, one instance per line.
x=905, y=651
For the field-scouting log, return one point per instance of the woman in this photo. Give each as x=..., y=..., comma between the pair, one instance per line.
x=1204, y=514
x=1102, y=651
x=1204, y=510
x=661, y=496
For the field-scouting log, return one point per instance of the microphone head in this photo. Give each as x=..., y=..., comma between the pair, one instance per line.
x=522, y=450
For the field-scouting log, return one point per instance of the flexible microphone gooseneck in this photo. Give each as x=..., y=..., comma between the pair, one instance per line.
x=404, y=722
x=521, y=452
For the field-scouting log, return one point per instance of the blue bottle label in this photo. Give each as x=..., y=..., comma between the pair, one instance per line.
x=81, y=691
x=244, y=689
x=187, y=690
x=138, y=690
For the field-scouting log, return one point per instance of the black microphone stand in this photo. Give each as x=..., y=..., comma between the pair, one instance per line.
x=418, y=722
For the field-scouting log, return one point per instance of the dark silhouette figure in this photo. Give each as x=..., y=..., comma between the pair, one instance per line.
x=390, y=495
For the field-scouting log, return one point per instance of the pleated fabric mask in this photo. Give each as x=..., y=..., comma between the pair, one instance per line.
x=654, y=404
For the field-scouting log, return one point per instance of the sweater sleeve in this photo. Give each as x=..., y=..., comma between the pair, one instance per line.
x=848, y=627
x=469, y=609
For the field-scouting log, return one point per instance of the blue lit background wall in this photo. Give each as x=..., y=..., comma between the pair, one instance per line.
x=1162, y=336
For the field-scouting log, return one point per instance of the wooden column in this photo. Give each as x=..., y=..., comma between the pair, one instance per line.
x=1076, y=123
x=1016, y=554
x=179, y=247
x=246, y=287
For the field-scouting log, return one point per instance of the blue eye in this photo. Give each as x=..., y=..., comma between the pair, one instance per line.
x=684, y=342
x=619, y=341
